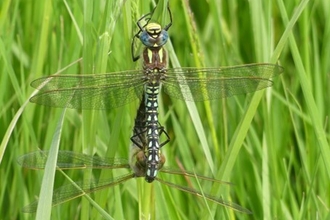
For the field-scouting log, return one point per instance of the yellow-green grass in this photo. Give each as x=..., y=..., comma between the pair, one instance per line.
x=272, y=145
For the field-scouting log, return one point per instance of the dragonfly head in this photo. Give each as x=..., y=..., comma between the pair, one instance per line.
x=138, y=162
x=141, y=167
x=153, y=29
x=154, y=36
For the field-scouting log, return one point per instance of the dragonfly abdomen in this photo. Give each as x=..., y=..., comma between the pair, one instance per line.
x=153, y=149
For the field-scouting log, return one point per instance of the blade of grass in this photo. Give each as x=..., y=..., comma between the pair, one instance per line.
x=89, y=117
x=45, y=199
x=306, y=88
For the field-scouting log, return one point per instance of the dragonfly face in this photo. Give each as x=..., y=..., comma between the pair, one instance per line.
x=153, y=36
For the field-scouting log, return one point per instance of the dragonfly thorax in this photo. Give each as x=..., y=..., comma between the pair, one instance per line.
x=154, y=59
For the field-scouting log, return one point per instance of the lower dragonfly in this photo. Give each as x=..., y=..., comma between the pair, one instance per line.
x=137, y=166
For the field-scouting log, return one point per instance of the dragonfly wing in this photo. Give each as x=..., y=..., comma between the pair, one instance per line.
x=201, y=84
x=103, y=91
x=70, y=160
x=78, y=189
x=170, y=170
x=217, y=200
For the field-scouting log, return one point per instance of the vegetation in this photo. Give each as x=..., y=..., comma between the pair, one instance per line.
x=272, y=145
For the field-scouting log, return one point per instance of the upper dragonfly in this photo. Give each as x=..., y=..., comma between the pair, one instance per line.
x=111, y=90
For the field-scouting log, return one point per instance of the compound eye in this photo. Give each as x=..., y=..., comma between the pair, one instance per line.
x=156, y=40
x=153, y=36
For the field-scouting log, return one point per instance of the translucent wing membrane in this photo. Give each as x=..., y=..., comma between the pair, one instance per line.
x=103, y=91
x=78, y=189
x=71, y=160
x=200, y=84
x=107, y=91
x=190, y=174
x=217, y=200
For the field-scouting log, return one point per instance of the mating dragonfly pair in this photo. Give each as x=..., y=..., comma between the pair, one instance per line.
x=107, y=91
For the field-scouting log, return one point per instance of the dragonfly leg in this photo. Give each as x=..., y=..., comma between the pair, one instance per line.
x=162, y=131
x=170, y=13
x=138, y=138
x=137, y=35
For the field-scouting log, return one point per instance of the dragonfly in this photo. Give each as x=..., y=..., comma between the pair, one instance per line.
x=137, y=166
x=112, y=90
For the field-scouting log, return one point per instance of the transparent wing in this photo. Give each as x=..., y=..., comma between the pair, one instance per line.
x=78, y=189
x=71, y=160
x=174, y=171
x=107, y=91
x=102, y=91
x=217, y=200
x=199, y=84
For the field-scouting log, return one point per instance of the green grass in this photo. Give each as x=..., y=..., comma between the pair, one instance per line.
x=273, y=145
